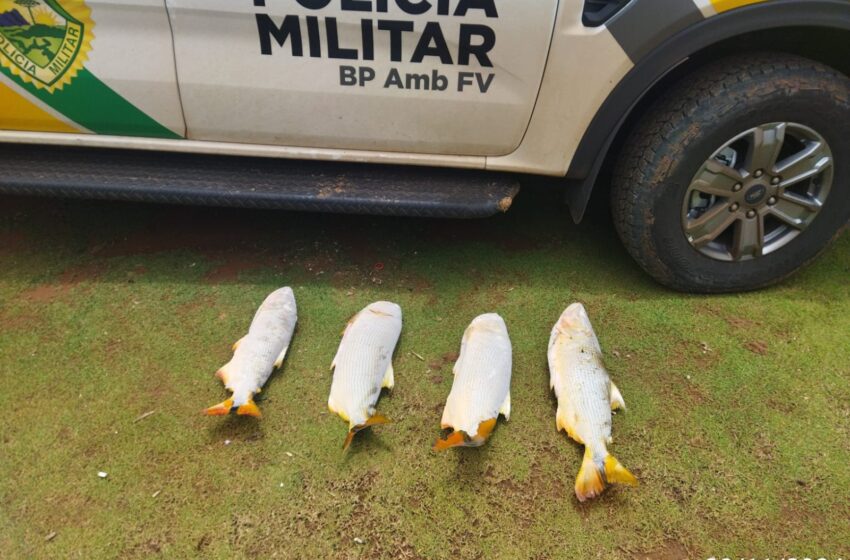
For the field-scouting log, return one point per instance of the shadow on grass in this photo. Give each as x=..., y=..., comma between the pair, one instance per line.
x=236, y=428
x=366, y=441
x=233, y=245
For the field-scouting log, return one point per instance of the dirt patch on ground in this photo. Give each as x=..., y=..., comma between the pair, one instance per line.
x=741, y=323
x=68, y=280
x=757, y=347
x=20, y=322
x=670, y=550
x=444, y=360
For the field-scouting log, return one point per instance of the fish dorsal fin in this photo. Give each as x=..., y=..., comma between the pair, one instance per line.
x=389, y=377
x=506, y=407
x=238, y=342
x=223, y=373
x=279, y=361
x=617, y=402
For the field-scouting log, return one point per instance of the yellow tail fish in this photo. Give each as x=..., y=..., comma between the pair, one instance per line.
x=482, y=384
x=363, y=366
x=586, y=397
x=257, y=354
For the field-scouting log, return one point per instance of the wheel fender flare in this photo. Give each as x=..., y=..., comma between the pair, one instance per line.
x=668, y=55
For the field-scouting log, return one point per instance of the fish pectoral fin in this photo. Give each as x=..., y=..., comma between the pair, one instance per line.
x=617, y=402
x=238, y=342
x=506, y=407
x=221, y=409
x=389, y=378
x=590, y=481
x=279, y=361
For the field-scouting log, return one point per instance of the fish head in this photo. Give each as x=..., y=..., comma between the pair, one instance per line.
x=490, y=322
x=575, y=319
x=385, y=308
x=281, y=298
x=286, y=293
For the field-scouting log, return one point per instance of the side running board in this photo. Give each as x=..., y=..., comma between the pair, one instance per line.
x=253, y=182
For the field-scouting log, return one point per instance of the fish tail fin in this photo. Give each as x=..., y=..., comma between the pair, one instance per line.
x=591, y=477
x=349, y=438
x=250, y=408
x=455, y=439
x=374, y=420
x=220, y=409
x=615, y=472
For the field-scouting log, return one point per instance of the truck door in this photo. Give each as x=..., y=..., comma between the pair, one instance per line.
x=93, y=66
x=455, y=77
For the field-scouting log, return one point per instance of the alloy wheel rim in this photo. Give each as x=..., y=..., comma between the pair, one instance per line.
x=758, y=192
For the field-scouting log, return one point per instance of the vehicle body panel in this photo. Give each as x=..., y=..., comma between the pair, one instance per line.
x=113, y=73
x=240, y=85
x=125, y=90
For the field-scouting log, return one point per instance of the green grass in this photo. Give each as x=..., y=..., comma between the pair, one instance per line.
x=738, y=424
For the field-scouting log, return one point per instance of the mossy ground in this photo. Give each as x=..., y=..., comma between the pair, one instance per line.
x=738, y=424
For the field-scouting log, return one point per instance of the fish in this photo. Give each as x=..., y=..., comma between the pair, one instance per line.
x=257, y=354
x=363, y=366
x=481, y=389
x=586, y=398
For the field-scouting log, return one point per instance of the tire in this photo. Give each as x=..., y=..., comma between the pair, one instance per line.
x=678, y=139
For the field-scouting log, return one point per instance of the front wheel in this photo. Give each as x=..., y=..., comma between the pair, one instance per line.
x=739, y=175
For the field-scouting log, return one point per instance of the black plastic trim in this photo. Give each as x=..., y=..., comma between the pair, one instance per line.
x=316, y=186
x=597, y=12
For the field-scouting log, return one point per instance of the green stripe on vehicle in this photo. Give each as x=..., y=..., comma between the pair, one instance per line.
x=95, y=106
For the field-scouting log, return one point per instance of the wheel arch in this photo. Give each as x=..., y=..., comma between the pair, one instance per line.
x=759, y=27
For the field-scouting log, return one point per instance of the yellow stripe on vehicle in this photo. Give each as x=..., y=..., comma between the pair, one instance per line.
x=20, y=113
x=726, y=5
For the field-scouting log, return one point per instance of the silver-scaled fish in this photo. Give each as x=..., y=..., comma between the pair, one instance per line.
x=482, y=384
x=363, y=366
x=586, y=397
x=257, y=354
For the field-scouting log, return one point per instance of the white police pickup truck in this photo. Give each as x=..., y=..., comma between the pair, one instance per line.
x=721, y=128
